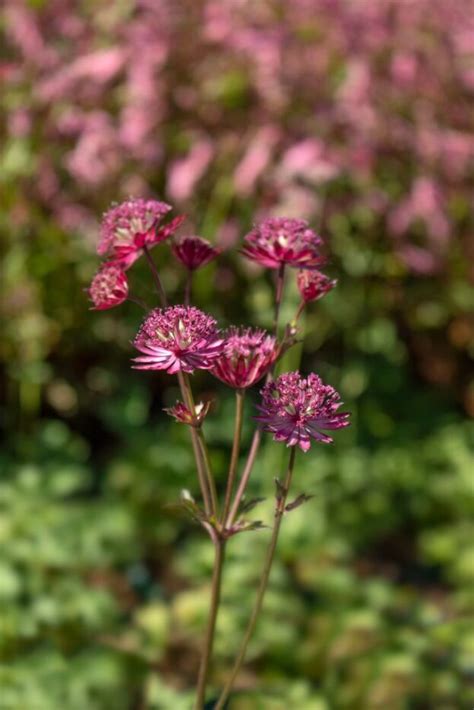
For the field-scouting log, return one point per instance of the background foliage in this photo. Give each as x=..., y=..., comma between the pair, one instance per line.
x=355, y=115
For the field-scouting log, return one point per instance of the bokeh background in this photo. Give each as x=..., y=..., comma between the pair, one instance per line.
x=357, y=115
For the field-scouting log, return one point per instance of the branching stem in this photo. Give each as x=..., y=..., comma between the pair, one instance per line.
x=279, y=511
x=211, y=624
x=187, y=396
x=156, y=277
x=234, y=458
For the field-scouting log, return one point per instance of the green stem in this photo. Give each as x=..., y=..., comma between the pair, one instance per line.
x=187, y=396
x=138, y=302
x=257, y=437
x=234, y=458
x=188, y=287
x=211, y=625
x=208, y=472
x=156, y=277
x=252, y=455
x=279, y=511
x=300, y=310
x=278, y=295
x=204, y=453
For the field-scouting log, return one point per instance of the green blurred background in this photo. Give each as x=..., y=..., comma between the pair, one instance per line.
x=355, y=115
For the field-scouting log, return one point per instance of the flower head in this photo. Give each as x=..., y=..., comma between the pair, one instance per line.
x=108, y=288
x=178, y=338
x=296, y=409
x=183, y=415
x=246, y=357
x=280, y=240
x=132, y=225
x=312, y=285
x=194, y=252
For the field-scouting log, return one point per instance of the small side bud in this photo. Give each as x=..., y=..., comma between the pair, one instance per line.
x=183, y=415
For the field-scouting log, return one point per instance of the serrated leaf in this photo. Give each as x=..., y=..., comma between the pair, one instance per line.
x=250, y=505
x=303, y=498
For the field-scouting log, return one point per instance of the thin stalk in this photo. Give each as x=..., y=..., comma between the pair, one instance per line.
x=252, y=455
x=279, y=510
x=188, y=287
x=208, y=472
x=234, y=458
x=300, y=310
x=278, y=295
x=201, y=442
x=211, y=625
x=188, y=400
x=139, y=302
x=156, y=277
x=257, y=436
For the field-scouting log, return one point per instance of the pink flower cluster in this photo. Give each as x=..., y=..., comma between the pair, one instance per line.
x=297, y=409
x=131, y=226
x=182, y=339
x=247, y=355
x=177, y=339
x=280, y=240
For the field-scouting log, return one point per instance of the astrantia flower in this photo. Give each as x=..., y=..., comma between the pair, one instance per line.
x=184, y=416
x=194, y=252
x=246, y=357
x=314, y=284
x=128, y=227
x=296, y=409
x=280, y=240
x=178, y=338
x=108, y=288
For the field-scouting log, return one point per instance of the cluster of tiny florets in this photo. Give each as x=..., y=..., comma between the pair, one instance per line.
x=124, y=222
x=279, y=240
x=177, y=338
x=247, y=355
x=297, y=409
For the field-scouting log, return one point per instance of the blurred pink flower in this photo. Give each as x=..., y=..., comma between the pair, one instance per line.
x=185, y=172
x=256, y=159
x=307, y=159
x=101, y=65
x=313, y=285
x=109, y=287
x=127, y=228
x=280, y=240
